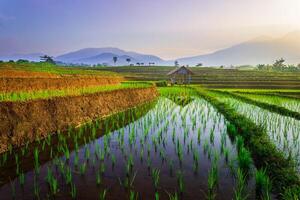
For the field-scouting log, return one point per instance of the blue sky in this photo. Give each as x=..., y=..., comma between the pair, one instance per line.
x=167, y=28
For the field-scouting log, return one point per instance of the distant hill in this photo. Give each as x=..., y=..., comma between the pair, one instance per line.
x=105, y=55
x=262, y=50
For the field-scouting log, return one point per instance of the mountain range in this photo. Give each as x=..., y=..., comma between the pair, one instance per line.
x=261, y=50
x=105, y=55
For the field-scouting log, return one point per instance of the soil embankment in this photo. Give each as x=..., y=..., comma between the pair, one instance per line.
x=8, y=84
x=26, y=121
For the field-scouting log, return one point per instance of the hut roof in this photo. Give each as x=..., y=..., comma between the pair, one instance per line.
x=178, y=69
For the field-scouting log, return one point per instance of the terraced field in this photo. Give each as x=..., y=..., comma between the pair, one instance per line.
x=216, y=78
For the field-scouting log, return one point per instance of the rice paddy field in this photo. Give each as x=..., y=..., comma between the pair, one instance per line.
x=176, y=147
x=210, y=77
x=208, y=140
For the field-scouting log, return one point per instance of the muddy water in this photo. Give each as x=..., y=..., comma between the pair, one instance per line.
x=180, y=143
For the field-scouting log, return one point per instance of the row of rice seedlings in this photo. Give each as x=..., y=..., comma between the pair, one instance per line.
x=284, y=131
x=288, y=103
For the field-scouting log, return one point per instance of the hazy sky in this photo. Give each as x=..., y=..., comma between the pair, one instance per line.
x=167, y=28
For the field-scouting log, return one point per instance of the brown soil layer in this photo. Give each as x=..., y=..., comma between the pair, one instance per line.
x=25, y=121
x=12, y=73
x=32, y=84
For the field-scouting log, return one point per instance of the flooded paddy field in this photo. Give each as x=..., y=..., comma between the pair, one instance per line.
x=170, y=149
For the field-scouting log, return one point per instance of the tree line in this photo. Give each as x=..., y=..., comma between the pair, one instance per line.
x=279, y=65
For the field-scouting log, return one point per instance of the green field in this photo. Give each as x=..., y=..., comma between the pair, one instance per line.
x=233, y=133
x=216, y=78
x=47, y=94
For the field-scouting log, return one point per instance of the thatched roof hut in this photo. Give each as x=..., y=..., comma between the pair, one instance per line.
x=181, y=75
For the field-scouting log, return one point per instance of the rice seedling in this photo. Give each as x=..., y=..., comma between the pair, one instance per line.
x=240, y=190
x=263, y=184
x=36, y=159
x=36, y=188
x=155, y=177
x=73, y=191
x=98, y=178
x=102, y=195
x=133, y=195
x=244, y=159
x=52, y=182
x=82, y=169
x=173, y=196
x=180, y=182
x=22, y=179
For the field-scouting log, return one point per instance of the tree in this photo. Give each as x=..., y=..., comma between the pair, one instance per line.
x=199, y=65
x=260, y=66
x=128, y=60
x=115, y=59
x=47, y=59
x=279, y=64
x=176, y=63
x=22, y=61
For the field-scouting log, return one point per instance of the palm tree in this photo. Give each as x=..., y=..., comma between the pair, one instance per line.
x=115, y=59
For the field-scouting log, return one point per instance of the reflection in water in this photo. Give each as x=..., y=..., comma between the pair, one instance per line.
x=171, y=150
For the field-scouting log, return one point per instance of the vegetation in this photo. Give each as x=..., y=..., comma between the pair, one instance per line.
x=182, y=139
x=279, y=65
x=46, y=94
x=272, y=107
x=244, y=135
x=281, y=169
x=47, y=67
x=215, y=77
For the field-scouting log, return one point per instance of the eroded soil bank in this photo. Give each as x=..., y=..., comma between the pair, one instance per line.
x=25, y=121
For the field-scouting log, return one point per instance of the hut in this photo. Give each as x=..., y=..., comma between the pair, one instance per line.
x=180, y=75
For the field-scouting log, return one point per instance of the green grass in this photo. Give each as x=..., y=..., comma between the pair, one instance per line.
x=46, y=94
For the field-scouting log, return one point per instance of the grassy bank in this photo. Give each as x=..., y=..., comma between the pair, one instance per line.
x=285, y=178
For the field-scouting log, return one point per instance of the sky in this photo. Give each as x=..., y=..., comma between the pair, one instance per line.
x=166, y=28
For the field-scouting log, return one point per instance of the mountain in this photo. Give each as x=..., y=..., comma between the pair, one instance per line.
x=107, y=58
x=261, y=50
x=32, y=57
x=105, y=55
